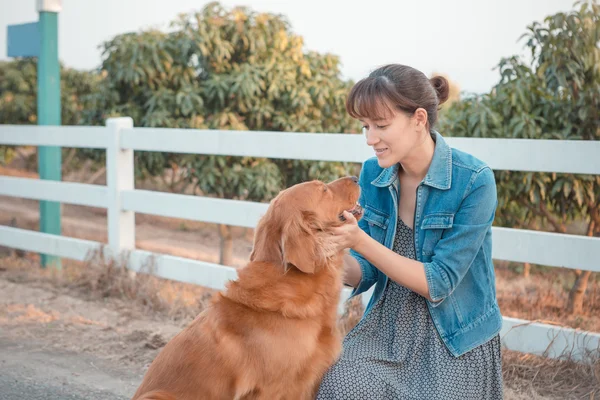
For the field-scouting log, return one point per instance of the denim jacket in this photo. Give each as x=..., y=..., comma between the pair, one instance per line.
x=455, y=206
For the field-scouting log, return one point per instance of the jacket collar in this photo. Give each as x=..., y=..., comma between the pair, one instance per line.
x=439, y=174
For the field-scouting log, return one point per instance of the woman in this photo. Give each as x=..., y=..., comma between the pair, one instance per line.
x=431, y=328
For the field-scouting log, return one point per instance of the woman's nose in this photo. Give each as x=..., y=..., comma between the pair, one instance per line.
x=371, y=138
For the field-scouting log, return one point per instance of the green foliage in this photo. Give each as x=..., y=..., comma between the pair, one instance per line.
x=228, y=70
x=236, y=177
x=18, y=88
x=554, y=95
x=18, y=99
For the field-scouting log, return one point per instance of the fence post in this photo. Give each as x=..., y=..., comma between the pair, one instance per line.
x=119, y=177
x=48, y=109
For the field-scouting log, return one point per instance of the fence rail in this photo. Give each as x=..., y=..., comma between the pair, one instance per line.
x=122, y=201
x=65, y=192
x=561, y=156
x=91, y=137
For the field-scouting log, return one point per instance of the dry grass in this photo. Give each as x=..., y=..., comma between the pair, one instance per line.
x=353, y=311
x=99, y=278
x=544, y=296
x=553, y=378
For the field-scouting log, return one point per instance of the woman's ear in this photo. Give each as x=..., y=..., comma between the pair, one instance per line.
x=420, y=118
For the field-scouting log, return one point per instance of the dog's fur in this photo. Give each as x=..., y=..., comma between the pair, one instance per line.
x=272, y=333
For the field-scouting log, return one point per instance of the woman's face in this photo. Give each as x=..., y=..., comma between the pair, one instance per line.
x=396, y=136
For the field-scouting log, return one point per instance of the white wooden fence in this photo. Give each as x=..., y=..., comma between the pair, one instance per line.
x=122, y=201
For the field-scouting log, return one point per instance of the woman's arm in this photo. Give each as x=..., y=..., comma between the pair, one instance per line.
x=453, y=254
x=405, y=271
x=352, y=271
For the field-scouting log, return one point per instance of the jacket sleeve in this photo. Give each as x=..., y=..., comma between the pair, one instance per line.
x=459, y=245
x=368, y=272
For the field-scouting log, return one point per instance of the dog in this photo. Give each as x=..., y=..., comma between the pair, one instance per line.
x=271, y=333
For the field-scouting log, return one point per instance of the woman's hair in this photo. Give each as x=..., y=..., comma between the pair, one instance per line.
x=398, y=86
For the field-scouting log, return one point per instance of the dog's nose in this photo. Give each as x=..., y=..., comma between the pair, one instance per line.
x=354, y=179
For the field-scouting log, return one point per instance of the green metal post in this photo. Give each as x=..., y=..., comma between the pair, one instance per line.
x=48, y=109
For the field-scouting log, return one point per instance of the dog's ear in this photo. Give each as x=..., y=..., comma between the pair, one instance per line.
x=299, y=243
x=266, y=241
x=267, y=234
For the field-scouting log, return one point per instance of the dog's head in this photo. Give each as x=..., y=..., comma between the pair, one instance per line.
x=295, y=231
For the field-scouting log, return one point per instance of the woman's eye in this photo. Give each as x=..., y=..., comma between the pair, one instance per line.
x=382, y=126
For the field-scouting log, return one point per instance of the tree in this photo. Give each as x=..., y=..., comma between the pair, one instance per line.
x=229, y=70
x=18, y=96
x=554, y=95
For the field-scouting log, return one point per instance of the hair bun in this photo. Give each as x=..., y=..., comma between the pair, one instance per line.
x=441, y=87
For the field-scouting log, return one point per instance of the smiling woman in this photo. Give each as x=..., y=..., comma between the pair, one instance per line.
x=430, y=330
x=384, y=104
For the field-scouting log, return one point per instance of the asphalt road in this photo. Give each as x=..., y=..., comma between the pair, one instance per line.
x=28, y=372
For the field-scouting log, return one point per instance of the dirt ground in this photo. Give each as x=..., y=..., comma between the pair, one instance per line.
x=110, y=328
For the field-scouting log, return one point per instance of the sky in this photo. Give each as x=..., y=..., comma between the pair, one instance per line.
x=464, y=39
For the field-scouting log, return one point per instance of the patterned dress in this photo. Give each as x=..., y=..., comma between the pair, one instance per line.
x=395, y=353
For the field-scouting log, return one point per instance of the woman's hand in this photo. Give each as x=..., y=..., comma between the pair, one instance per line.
x=348, y=235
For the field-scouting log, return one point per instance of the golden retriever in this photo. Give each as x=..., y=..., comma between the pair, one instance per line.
x=272, y=333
